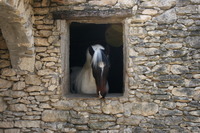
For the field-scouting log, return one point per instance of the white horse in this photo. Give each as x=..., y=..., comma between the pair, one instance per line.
x=93, y=76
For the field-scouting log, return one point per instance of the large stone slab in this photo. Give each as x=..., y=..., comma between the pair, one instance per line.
x=167, y=17
x=34, y=88
x=32, y=79
x=6, y=124
x=12, y=130
x=192, y=83
x=101, y=125
x=25, y=123
x=27, y=63
x=132, y=120
x=19, y=85
x=8, y=72
x=163, y=4
x=143, y=108
x=17, y=94
x=18, y=107
x=64, y=104
x=183, y=91
x=5, y=84
x=193, y=42
x=112, y=107
x=55, y=116
x=179, y=69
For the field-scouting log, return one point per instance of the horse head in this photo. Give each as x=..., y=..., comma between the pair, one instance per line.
x=100, y=68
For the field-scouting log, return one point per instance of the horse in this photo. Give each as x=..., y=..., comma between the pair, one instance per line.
x=92, y=78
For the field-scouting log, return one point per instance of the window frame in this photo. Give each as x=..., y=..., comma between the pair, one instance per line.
x=64, y=28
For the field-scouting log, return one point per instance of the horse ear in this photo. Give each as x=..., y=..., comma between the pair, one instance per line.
x=91, y=51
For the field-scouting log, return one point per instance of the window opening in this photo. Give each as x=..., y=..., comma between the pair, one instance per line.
x=82, y=35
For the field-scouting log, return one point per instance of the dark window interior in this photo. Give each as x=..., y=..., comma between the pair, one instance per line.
x=109, y=35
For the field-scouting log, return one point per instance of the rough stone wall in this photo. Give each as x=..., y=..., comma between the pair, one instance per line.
x=16, y=26
x=163, y=71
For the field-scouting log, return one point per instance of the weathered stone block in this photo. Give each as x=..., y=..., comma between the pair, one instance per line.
x=55, y=116
x=19, y=85
x=163, y=69
x=18, y=107
x=64, y=104
x=32, y=79
x=12, y=130
x=192, y=118
x=5, y=84
x=25, y=123
x=40, y=49
x=169, y=105
x=42, y=98
x=27, y=63
x=127, y=3
x=141, y=18
x=6, y=124
x=179, y=69
x=168, y=77
x=173, y=45
x=113, y=107
x=157, y=33
x=69, y=130
x=160, y=97
x=192, y=83
x=100, y=125
x=4, y=63
x=3, y=105
x=103, y=2
x=54, y=59
x=41, y=41
x=67, y=2
x=193, y=42
x=150, y=12
x=132, y=120
x=45, y=33
x=34, y=88
x=38, y=65
x=102, y=117
x=8, y=72
x=195, y=113
x=163, y=4
x=45, y=72
x=173, y=120
x=183, y=92
x=41, y=11
x=170, y=112
x=187, y=9
x=167, y=17
x=143, y=108
x=17, y=94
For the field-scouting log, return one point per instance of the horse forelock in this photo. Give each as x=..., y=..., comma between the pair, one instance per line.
x=98, y=53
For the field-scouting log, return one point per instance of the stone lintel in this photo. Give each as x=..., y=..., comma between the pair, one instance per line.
x=92, y=14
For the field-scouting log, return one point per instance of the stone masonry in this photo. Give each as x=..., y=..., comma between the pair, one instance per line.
x=162, y=69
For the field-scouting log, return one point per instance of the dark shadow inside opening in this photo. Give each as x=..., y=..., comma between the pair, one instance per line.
x=82, y=35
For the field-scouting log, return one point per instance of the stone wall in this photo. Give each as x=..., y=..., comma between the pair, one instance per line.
x=162, y=67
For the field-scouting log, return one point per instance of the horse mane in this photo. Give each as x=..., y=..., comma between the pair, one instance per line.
x=85, y=82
